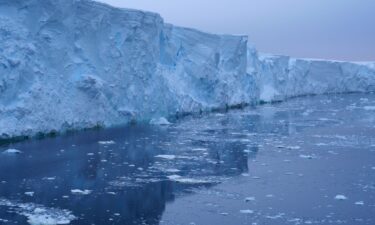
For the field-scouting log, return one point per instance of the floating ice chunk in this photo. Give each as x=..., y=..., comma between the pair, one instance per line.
x=307, y=156
x=172, y=170
x=12, y=151
x=199, y=149
x=269, y=196
x=39, y=218
x=294, y=147
x=245, y=140
x=29, y=193
x=341, y=137
x=39, y=214
x=80, y=192
x=333, y=152
x=278, y=216
x=249, y=199
x=246, y=211
x=307, y=112
x=369, y=108
x=168, y=157
x=106, y=142
x=340, y=197
x=359, y=203
x=187, y=157
x=295, y=220
x=185, y=180
x=160, y=121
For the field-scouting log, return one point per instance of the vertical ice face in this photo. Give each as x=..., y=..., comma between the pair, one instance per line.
x=203, y=69
x=282, y=77
x=73, y=64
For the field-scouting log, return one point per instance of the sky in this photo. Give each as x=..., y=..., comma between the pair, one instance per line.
x=325, y=29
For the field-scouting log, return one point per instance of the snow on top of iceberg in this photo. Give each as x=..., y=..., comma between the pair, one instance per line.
x=106, y=6
x=270, y=56
x=201, y=32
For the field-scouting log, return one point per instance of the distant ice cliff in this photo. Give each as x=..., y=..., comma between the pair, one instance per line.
x=75, y=64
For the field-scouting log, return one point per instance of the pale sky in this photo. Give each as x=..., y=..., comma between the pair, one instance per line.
x=327, y=29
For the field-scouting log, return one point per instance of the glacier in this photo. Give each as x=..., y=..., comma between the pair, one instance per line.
x=76, y=64
x=283, y=77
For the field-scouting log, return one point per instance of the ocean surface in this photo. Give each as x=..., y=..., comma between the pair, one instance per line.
x=305, y=161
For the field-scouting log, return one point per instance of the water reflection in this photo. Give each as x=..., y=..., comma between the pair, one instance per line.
x=132, y=178
x=131, y=173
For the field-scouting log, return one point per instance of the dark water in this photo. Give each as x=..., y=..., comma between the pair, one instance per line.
x=305, y=161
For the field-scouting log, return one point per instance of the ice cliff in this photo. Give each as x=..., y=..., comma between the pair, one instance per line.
x=75, y=64
x=283, y=77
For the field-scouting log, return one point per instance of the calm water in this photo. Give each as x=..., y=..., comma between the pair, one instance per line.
x=305, y=161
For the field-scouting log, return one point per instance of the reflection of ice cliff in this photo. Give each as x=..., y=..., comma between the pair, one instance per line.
x=128, y=175
x=68, y=64
x=135, y=171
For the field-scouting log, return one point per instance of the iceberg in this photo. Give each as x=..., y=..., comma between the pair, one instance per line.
x=80, y=192
x=283, y=77
x=77, y=64
x=341, y=197
x=12, y=151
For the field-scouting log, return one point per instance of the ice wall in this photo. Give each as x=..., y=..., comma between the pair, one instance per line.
x=206, y=71
x=70, y=64
x=74, y=64
x=282, y=77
